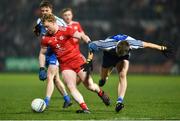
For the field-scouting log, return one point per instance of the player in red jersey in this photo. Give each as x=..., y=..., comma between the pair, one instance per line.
x=60, y=39
x=67, y=15
x=52, y=64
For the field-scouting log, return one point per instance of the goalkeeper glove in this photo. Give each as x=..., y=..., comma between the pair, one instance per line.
x=42, y=74
x=88, y=66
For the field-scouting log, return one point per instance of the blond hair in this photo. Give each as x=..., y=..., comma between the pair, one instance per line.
x=48, y=17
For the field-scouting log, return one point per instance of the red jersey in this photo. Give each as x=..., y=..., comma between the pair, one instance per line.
x=62, y=44
x=77, y=27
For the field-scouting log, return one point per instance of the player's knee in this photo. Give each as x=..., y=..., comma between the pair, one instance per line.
x=122, y=75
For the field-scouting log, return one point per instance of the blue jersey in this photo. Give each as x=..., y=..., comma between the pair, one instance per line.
x=111, y=42
x=51, y=58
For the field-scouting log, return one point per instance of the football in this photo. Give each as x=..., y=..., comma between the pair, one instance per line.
x=38, y=105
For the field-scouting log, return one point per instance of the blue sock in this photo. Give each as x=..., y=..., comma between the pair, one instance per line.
x=67, y=98
x=120, y=100
x=47, y=99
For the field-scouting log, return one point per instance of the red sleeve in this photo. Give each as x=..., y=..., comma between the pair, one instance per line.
x=44, y=41
x=79, y=27
x=70, y=31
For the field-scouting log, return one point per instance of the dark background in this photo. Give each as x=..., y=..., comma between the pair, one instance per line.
x=149, y=20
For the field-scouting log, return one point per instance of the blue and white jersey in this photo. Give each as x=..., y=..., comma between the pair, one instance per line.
x=59, y=21
x=111, y=42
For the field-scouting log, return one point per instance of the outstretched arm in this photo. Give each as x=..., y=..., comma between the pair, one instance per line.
x=80, y=35
x=154, y=46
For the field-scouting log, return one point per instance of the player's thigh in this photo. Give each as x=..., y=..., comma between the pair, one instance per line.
x=86, y=79
x=122, y=67
x=78, y=80
x=57, y=76
x=52, y=69
x=69, y=77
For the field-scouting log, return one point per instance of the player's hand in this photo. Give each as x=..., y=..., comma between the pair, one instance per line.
x=42, y=74
x=88, y=66
x=37, y=30
x=167, y=47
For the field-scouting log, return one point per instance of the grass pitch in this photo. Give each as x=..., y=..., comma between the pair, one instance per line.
x=147, y=97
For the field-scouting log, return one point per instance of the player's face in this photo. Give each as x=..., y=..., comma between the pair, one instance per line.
x=45, y=10
x=67, y=16
x=50, y=27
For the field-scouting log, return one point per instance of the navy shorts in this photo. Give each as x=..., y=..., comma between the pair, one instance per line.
x=110, y=60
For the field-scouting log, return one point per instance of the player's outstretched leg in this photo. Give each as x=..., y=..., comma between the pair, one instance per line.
x=105, y=98
x=90, y=85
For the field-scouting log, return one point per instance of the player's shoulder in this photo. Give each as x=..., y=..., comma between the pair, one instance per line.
x=60, y=21
x=75, y=23
x=58, y=18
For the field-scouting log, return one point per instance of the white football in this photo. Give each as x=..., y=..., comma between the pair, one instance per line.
x=38, y=105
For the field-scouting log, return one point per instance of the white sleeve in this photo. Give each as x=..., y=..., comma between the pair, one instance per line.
x=134, y=43
x=60, y=21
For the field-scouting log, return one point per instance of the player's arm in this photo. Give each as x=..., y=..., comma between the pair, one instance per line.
x=154, y=46
x=167, y=48
x=37, y=30
x=81, y=35
x=88, y=66
x=42, y=57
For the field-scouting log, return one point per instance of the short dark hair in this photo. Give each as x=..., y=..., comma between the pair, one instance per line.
x=48, y=17
x=46, y=3
x=65, y=10
x=122, y=47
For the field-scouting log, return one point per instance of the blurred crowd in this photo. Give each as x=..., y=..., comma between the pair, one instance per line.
x=149, y=20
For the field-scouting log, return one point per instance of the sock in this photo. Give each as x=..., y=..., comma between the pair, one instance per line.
x=47, y=100
x=83, y=106
x=100, y=93
x=120, y=99
x=67, y=98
